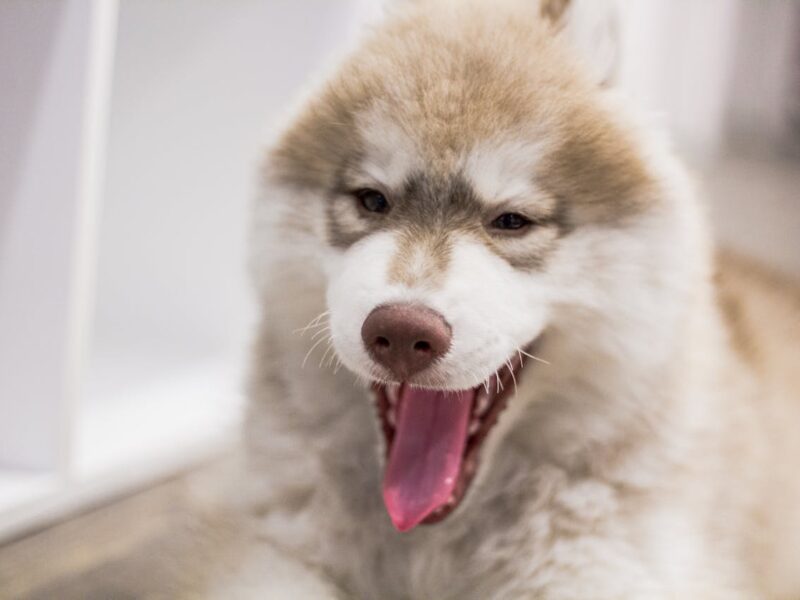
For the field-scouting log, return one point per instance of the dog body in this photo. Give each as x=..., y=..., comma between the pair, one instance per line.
x=648, y=446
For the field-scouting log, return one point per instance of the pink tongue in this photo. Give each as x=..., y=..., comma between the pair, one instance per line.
x=426, y=453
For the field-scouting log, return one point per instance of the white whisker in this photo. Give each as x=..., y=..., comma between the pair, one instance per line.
x=484, y=383
x=513, y=378
x=317, y=343
x=531, y=356
x=329, y=363
x=333, y=357
x=320, y=332
x=327, y=350
x=312, y=323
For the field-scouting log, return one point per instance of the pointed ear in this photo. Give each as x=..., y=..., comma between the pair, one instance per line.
x=592, y=28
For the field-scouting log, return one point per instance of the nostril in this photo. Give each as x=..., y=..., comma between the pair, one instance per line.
x=382, y=342
x=422, y=346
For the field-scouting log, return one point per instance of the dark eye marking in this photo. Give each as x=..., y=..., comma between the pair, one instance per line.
x=372, y=200
x=511, y=222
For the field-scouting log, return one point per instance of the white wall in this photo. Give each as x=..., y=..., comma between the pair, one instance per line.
x=52, y=75
x=764, y=95
x=677, y=61
x=196, y=86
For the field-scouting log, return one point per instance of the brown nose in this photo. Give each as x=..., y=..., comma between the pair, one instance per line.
x=405, y=338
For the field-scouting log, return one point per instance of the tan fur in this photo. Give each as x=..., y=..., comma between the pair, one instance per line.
x=420, y=259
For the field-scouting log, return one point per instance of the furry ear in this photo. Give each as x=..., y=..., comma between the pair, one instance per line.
x=592, y=28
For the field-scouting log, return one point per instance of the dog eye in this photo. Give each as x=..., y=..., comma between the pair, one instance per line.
x=511, y=222
x=372, y=200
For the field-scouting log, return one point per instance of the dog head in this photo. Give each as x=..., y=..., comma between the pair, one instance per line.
x=471, y=185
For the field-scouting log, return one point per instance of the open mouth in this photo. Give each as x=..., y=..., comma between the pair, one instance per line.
x=433, y=443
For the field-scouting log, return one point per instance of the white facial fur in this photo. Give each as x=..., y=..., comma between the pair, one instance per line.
x=493, y=309
x=389, y=153
x=500, y=171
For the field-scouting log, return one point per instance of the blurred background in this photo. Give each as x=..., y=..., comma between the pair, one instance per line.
x=130, y=136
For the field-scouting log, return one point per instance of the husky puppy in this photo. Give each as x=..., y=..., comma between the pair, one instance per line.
x=498, y=356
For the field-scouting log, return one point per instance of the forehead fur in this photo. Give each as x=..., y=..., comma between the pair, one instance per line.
x=436, y=83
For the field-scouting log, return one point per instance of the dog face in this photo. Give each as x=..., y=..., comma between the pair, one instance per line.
x=468, y=189
x=451, y=174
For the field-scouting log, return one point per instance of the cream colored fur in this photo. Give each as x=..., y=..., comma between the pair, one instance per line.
x=655, y=456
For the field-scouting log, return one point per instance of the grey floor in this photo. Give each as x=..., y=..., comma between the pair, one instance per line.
x=133, y=547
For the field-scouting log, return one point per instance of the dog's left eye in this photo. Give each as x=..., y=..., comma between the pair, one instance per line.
x=372, y=200
x=511, y=222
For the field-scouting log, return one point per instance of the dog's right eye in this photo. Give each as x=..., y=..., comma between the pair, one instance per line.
x=511, y=222
x=372, y=200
